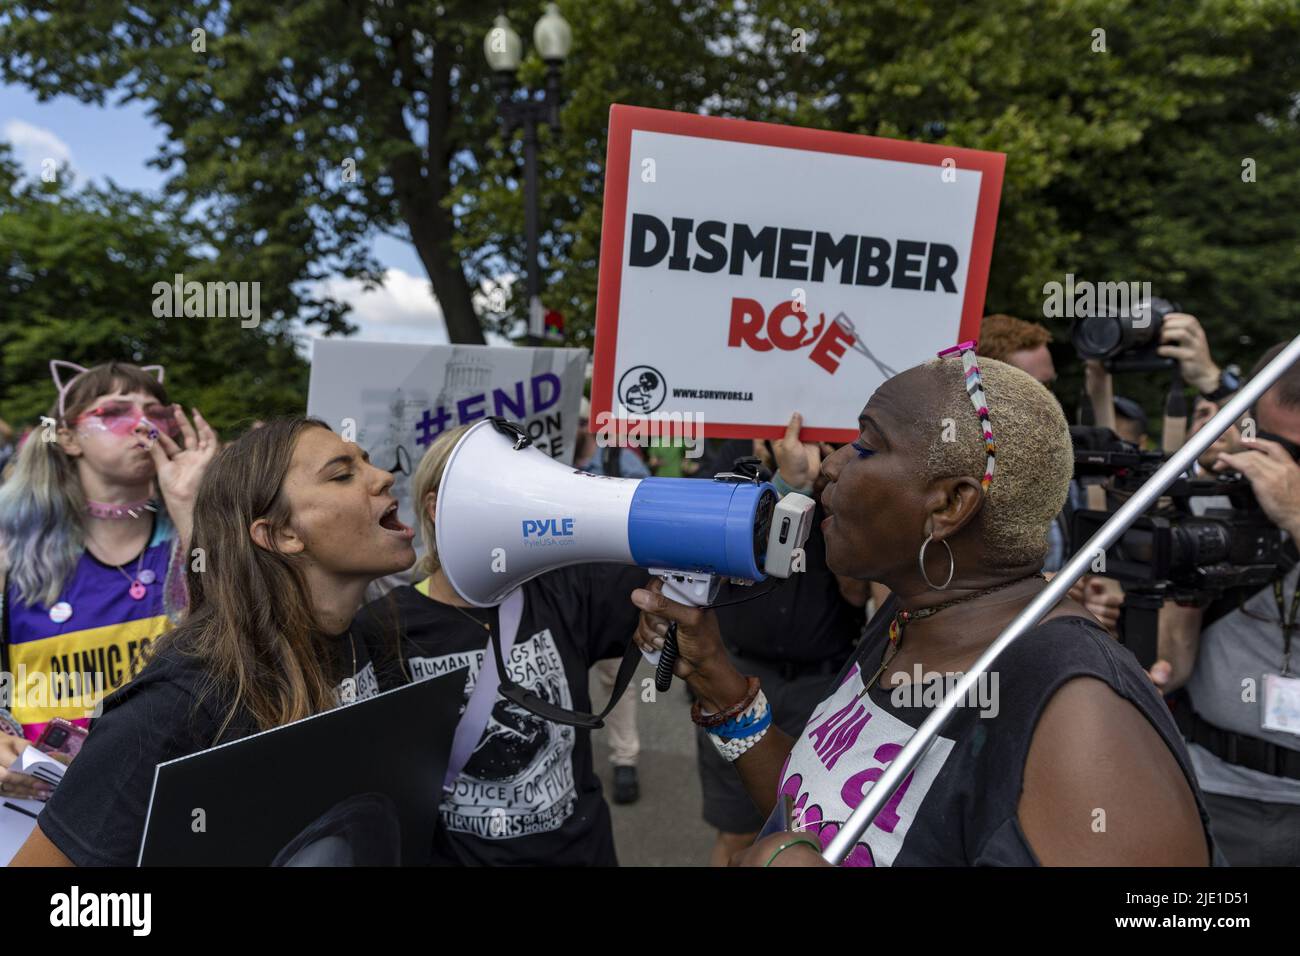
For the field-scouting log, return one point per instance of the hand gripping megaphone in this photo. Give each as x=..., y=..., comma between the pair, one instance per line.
x=508, y=512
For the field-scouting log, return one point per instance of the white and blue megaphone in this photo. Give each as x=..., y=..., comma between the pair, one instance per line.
x=507, y=512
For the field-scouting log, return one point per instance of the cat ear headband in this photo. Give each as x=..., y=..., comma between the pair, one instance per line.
x=77, y=372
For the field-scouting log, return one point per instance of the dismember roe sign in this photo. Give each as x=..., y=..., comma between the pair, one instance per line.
x=749, y=270
x=394, y=400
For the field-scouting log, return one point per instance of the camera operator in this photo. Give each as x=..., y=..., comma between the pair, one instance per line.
x=1232, y=660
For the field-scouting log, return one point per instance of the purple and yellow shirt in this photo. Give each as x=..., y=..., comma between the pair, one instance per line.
x=64, y=658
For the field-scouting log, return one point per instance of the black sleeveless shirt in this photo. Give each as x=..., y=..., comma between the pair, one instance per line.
x=959, y=806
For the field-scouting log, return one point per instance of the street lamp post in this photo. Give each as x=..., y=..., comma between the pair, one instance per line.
x=504, y=51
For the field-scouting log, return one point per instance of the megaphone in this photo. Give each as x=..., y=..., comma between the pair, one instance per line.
x=508, y=512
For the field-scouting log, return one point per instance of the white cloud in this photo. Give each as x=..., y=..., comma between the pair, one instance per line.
x=403, y=309
x=35, y=144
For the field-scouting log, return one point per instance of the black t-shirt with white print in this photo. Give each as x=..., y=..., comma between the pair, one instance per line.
x=528, y=794
x=96, y=815
x=959, y=806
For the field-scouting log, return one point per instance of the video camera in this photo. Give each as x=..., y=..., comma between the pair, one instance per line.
x=1171, y=551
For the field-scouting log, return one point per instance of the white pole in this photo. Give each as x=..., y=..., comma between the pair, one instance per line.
x=1107, y=535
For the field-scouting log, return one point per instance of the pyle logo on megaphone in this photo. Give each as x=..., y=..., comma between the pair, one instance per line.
x=522, y=507
x=547, y=532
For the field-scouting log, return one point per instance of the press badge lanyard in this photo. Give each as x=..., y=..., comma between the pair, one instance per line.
x=1288, y=623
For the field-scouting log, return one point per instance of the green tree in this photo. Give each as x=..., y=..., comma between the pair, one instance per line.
x=664, y=54
x=303, y=129
x=1124, y=163
x=1125, y=148
x=77, y=269
x=1126, y=123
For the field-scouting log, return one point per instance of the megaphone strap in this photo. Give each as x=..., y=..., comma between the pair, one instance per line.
x=512, y=430
x=548, y=711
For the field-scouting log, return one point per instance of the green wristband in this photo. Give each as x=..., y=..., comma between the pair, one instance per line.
x=785, y=846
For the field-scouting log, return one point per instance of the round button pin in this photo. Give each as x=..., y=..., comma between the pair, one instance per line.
x=147, y=576
x=60, y=612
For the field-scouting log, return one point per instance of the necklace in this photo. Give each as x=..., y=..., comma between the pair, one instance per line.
x=350, y=686
x=483, y=624
x=903, y=618
x=112, y=512
x=136, y=584
x=470, y=617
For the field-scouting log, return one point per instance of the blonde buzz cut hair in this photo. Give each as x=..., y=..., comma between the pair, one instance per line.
x=428, y=478
x=1034, y=455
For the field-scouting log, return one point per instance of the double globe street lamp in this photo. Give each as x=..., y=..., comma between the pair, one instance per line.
x=504, y=51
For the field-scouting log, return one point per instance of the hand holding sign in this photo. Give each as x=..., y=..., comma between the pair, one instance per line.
x=797, y=461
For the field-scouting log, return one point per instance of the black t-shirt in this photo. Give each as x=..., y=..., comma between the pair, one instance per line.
x=96, y=815
x=959, y=806
x=528, y=794
x=802, y=620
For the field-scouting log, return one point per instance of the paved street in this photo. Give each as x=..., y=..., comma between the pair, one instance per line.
x=664, y=827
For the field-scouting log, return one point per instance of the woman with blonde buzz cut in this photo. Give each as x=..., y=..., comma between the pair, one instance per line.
x=1065, y=755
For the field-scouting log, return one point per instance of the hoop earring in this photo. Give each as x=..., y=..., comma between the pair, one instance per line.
x=952, y=565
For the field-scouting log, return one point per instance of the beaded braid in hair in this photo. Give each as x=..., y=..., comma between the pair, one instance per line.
x=975, y=389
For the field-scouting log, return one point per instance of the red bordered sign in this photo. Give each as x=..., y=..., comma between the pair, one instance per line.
x=750, y=270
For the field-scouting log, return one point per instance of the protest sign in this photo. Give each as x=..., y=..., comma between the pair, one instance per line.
x=356, y=785
x=750, y=270
x=394, y=400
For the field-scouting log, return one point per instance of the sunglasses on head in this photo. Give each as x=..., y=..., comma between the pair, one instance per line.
x=122, y=417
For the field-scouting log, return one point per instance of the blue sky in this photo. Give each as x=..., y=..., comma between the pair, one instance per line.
x=116, y=142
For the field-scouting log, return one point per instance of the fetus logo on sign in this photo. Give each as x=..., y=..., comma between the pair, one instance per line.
x=642, y=389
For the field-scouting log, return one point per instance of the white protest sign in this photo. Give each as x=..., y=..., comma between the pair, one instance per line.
x=394, y=400
x=749, y=270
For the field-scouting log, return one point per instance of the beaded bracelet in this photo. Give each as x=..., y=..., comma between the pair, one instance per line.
x=708, y=721
x=732, y=738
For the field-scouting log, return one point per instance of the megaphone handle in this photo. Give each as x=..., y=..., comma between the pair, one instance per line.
x=685, y=587
x=667, y=659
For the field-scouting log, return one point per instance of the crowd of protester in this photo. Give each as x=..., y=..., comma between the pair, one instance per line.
x=102, y=513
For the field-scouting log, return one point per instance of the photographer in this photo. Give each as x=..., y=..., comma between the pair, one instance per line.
x=1232, y=659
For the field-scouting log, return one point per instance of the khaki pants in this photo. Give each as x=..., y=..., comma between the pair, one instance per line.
x=624, y=741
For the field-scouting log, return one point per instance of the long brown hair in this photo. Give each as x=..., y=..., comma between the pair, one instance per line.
x=251, y=619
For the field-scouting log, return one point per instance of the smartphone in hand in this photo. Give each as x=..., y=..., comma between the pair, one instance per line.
x=61, y=736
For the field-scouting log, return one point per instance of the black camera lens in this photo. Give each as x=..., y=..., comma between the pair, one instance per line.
x=1198, y=542
x=1097, y=337
x=1119, y=328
